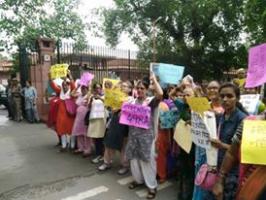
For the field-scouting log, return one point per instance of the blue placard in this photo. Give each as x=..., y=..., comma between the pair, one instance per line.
x=168, y=73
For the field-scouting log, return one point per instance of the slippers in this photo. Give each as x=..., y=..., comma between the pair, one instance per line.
x=134, y=185
x=151, y=193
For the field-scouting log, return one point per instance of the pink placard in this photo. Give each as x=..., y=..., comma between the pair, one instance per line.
x=86, y=78
x=256, y=75
x=135, y=115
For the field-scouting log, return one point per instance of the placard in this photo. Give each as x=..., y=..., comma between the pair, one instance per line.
x=253, y=146
x=109, y=83
x=199, y=130
x=198, y=104
x=250, y=102
x=86, y=78
x=211, y=153
x=256, y=74
x=58, y=71
x=97, y=110
x=114, y=98
x=167, y=73
x=183, y=135
x=135, y=115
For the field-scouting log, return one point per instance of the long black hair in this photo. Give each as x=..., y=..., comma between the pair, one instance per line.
x=237, y=93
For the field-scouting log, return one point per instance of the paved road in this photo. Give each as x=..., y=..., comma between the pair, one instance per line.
x=31, y=168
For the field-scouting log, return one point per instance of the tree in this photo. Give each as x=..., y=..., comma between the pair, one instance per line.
x=203, y=35
x=24, y=21
x=255, y=12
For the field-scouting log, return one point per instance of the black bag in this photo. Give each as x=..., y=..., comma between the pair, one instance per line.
x=87, y=118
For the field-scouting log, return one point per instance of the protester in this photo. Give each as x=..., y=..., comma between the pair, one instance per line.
x=79, y=128
x=227, y=126
x=200, y=156
x=250, y=175
x=64, y=120
x=140, y=148
x=97, y=125
x=116, y=137
x=30, y=95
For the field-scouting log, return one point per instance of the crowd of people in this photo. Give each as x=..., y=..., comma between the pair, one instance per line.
x=152, y=155
x=21, y=102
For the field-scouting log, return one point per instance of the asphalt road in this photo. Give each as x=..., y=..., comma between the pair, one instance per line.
x=31, y=168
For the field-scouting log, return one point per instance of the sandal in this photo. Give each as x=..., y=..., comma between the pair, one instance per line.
x=151, y=193
x=134, y=185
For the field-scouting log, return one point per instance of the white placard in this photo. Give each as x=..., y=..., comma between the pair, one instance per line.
x=212, y=152
x=250, y=102
x=97, y=109
x=199, y=130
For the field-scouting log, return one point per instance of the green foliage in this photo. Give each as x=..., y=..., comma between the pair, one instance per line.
x=206, y=36
x=255, y=12
x=25, y=21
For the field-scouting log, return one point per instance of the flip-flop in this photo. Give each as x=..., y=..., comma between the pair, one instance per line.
x=151, y=194
x=134, y=185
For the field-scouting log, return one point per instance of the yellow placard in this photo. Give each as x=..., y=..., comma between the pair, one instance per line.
x=198, y=104
x=114, y=98
x=59, y=71
x=242, y=82
x=253, y=146
x=109, y=83
x=183, y=135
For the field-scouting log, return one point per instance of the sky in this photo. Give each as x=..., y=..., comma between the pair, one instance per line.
x=86, y=8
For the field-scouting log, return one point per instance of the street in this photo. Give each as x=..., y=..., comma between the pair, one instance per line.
x=31, y=168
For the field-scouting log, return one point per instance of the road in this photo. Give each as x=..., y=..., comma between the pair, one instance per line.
x=31, y=168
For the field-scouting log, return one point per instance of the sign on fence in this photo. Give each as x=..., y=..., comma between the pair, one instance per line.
x=114, y=98
x=253, y=146
x=168, y=74
x=256, y=75
x=58, y=71
x=250, y=102
x=199, y=130
x=135, y=115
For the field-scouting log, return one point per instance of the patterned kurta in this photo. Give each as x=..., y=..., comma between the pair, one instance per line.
x=140, y=140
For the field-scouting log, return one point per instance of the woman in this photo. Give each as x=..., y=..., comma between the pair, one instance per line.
x=64, y=121
x=140, y=148
x=252, y=184
x=97, y=124
x=227, y=126
x=80, y=129
x=164, y=137
x=116, y=138
x=200, y=156
x=186, y=160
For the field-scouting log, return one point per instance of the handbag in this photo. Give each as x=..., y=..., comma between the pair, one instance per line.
x=206, y=178
x=71, y=107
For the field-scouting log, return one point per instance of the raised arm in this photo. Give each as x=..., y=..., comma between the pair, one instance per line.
x=157, y=88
